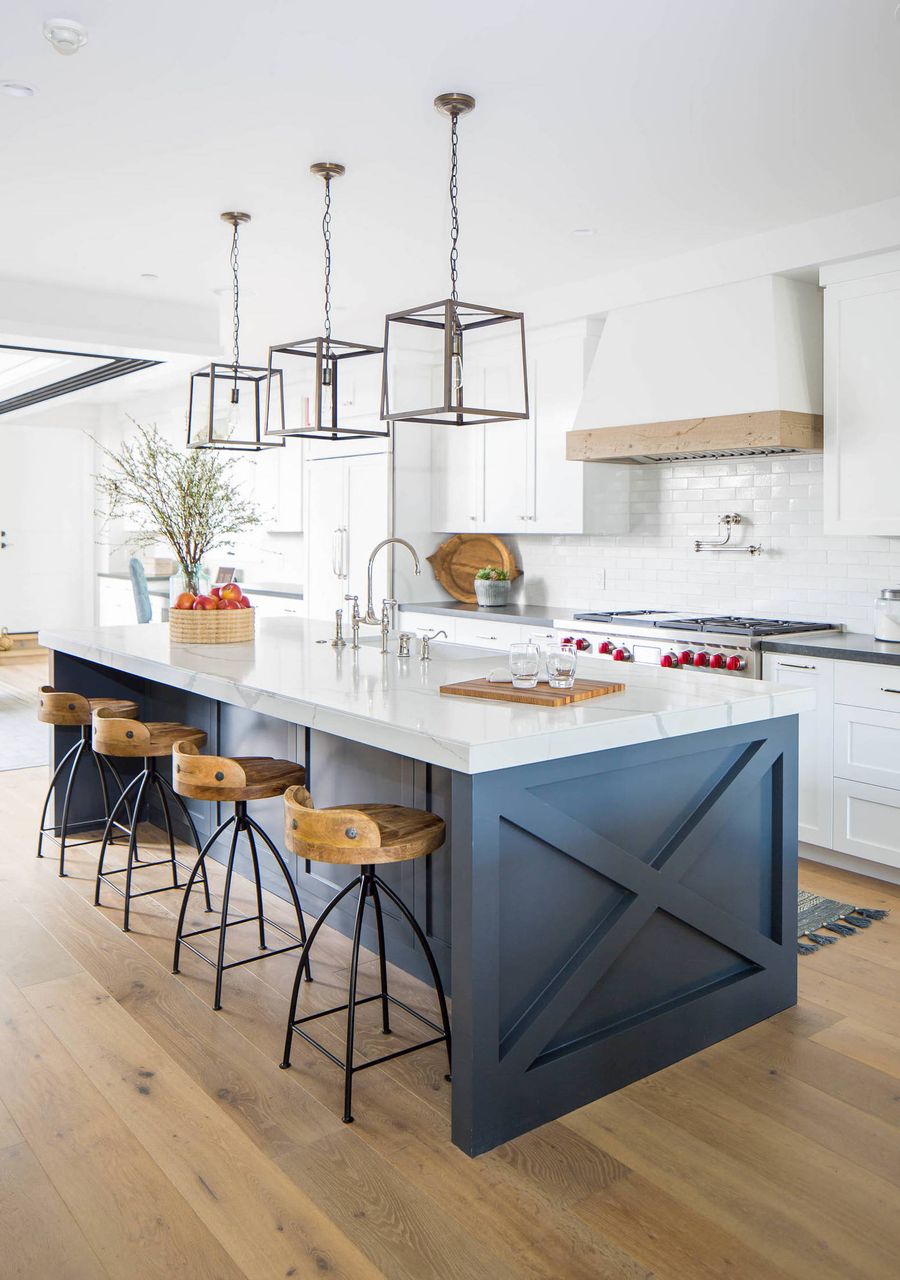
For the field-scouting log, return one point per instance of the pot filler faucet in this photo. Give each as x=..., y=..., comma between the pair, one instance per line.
x=370, y=606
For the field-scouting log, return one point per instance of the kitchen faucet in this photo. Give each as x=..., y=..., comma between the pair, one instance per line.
x=370, y=606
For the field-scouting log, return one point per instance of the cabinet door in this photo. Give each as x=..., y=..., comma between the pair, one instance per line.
x=457, y=482
x=508, y=476
x=326, y=537
x=862, y=406
x=816, y=739
x=867, y=745
x=867, y=821
x=279, y=488
x=368, y=522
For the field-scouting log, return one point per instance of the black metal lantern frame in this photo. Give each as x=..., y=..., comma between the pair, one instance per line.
x=225, y=400
x=469, y=365
x=315, y=411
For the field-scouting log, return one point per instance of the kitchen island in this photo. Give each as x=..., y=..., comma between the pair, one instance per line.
x=618, y=885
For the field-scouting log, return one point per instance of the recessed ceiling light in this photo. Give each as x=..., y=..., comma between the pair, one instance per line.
x=583, y=231
x=66, y=35
x=15, y=89
x=149, y=275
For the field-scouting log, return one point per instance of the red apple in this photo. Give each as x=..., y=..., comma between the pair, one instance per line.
x=185, y=600
x=231, y=591
x=216, y=591
x=231, y=604
x=244, y=603
x=205, y=602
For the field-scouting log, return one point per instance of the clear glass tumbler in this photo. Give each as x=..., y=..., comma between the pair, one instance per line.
x=561, y=665
x=524, y=665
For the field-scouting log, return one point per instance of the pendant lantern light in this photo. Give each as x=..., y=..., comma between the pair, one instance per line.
x=226, y=400
x=319, y=395
x=452, y=362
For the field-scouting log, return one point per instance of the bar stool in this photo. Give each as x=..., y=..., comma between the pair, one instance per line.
x=365, y=835
x=236, y=781
x=72, y=709
x=148, y=741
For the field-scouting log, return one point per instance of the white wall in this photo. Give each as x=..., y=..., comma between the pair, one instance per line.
x=801, y=573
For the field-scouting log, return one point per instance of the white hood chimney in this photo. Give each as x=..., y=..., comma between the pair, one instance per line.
x=722, y=372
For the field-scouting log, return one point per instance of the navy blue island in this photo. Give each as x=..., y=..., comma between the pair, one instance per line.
x=618, y=885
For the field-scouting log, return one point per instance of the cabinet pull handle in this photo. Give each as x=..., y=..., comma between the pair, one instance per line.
x=799, y=666
x=884, y=690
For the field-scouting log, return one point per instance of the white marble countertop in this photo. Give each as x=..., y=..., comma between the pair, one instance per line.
x=293, y=674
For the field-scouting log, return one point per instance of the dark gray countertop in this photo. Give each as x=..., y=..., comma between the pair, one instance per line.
x=536, y=615
x=852, y=646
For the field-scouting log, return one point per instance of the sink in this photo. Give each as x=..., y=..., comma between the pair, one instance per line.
x=440, y=649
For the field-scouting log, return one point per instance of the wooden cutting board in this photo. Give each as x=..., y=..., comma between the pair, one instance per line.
x=457, y=560
x=540, y=696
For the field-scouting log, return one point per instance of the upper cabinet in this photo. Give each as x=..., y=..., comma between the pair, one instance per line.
x=862, y=397
x=513, y=477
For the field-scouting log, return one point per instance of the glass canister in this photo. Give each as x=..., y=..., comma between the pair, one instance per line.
x=887, y=615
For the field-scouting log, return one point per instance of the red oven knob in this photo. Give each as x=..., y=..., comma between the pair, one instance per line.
x=686, y=657
x=568, y=640
x=582, y=645
x=605, y=646
x=701, y=659
x=669, y=660
x=736, y=663
x=621, y=655
x=717, y=661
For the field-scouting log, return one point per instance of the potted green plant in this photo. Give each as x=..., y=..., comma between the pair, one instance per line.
x=187, y=498
x=492, y=587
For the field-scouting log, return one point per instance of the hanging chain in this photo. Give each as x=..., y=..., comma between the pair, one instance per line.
x=326, y=236
x=454, y=208
x=236, y=294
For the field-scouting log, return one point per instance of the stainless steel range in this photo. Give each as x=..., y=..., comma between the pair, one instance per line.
x=714, y=642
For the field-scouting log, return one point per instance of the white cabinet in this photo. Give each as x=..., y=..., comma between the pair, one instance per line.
x=862, y=401
x=867, y=745
x=348, y=506
x=816, y=738
x=273, y=479
x=513, y=477
x=867, y=821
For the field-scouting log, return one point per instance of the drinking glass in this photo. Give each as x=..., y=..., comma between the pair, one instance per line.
x=561, y=666
x=524, y=665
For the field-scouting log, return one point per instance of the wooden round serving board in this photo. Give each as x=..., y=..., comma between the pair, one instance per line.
x=457, y=560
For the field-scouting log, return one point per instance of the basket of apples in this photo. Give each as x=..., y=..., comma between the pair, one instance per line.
x=225, y=616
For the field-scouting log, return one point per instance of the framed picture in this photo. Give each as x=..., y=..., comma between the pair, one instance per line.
x=225, y=574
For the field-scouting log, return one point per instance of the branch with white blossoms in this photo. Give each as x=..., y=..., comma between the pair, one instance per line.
x=184, y=497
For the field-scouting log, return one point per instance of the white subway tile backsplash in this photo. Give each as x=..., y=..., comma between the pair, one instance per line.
x=802, y=573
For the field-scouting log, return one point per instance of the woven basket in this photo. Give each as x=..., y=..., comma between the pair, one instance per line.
x=211, y=626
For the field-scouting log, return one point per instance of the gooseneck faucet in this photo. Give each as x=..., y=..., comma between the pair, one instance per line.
x=370, y=604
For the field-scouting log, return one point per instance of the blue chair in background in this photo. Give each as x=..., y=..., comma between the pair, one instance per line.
x=142, y=604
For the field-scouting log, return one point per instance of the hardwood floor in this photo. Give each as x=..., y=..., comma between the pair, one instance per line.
x=144, y=1135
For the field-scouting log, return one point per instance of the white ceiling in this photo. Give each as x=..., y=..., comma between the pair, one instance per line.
x=664, y=125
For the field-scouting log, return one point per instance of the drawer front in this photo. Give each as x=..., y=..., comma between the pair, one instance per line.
x=487, y=634
x=544, y=637
x=407, y=620
x=867, y=821
x=867, y=684
x=867, y=745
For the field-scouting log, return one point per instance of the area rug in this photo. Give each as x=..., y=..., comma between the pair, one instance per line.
x=841, y=919
x=24, y=741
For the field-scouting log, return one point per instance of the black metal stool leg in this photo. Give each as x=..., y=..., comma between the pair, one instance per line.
x=105, y=842
x=57, y=771
x=64, y=826
x=382, y=958
x=107, y=763
x=429, y=956
x=251, y=840
x=132, y=844
x=351, y=1007
x=104, y=789
x=226, y=895
x=200, y=864
x=199, y=867
x=167, y=819
x=304, y=961
x=292, y=888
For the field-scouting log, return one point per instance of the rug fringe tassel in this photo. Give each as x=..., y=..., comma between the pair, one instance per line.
x=804, y=948
x=870, y=913
x=820, y=941
x=858, y=921
x=838, y=926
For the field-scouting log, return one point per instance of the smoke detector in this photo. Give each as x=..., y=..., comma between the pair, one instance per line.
x=66, y=35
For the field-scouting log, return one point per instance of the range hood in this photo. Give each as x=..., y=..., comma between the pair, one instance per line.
x=729, y=372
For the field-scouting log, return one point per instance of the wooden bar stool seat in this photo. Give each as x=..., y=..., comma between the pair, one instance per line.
x=365, y=835
x=73, y=710
x=236, y=780
x=115, y=735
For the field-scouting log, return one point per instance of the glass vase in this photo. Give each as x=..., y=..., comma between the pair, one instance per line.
x=197, y=582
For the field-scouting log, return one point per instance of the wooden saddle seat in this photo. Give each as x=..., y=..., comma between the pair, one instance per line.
x=117, y=736
x=231, y=778
x=361, y=835
x=60, y=708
